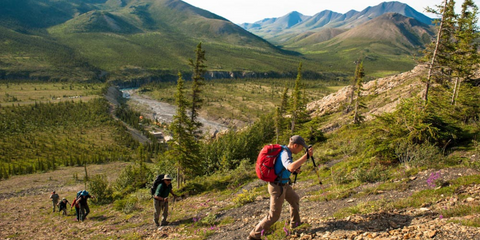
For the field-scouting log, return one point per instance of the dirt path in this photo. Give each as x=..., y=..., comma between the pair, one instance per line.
x=25, y=212
x=411, y=223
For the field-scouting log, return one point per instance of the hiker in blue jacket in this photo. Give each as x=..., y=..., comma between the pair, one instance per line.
x=84, y=209
x=280, y=190
x=160, y=201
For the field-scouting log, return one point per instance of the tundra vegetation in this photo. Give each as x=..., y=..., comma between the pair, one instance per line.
x=435, y=132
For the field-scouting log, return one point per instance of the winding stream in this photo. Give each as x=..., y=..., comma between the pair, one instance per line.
x=164, y=112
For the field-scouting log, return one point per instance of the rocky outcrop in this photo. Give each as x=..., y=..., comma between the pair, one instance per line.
x=388, y=86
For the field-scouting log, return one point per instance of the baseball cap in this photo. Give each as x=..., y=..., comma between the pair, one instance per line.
x=298, y=140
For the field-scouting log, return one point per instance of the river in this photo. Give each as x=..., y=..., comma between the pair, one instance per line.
x=164, y=112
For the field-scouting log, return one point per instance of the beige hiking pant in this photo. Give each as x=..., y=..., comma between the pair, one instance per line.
x=159, y=207
x=278, y=194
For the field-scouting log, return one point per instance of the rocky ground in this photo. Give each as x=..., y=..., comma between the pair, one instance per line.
x=418, y=223
x=26, y=212
x=411, y=223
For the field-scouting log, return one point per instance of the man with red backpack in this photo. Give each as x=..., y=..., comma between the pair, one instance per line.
x=280, y=189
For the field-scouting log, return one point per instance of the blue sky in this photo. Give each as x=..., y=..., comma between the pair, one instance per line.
x=241, y=11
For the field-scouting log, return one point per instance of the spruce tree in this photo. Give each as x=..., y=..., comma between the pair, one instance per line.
x=440, y=51
x=466, y=57
x=359, y=75
x=184, y=149
x=296, y=99
x=199, y=69
x=280, y=123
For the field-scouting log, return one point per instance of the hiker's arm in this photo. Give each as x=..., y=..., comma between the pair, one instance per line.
x=297, y=164
x=173, y=194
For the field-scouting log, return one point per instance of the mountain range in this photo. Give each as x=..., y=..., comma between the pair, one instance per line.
x=135, y=39
x=280, y=30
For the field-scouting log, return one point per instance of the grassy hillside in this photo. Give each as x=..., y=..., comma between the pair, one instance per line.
x=143, y=35
x=144, y=39
x=40, y=56
x=30, y=93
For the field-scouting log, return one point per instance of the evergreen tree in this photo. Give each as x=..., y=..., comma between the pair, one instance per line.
x=199, y=69
x=184, y=149
x=440, y=51
x=284, y=102
x=296, y=99
x=466, y=56
x=280, y=124
x=359, y=74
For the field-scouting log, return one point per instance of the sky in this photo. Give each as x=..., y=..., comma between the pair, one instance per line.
x=249, y=11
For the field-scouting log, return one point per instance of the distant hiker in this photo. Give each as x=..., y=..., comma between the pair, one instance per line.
x=54, y=198
x=280, y=189
x=160, y=201
x=84, y=209
x=62, y=206
x=76, y=204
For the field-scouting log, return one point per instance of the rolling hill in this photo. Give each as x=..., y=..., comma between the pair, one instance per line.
x=145, y=39
x=139, y=38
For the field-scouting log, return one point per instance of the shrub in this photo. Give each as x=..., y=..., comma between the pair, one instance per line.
x=244, y=198
x=418, y=155
x=339, y=176
x=101, y=189
x=221, y=180
x=127, y=205
x=371, y=175
x=419, y=127
x=209, y=220
x=132, y=178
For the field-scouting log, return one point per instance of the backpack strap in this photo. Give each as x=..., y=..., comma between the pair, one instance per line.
x=279, y=175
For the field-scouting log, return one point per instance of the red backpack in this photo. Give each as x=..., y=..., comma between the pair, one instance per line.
x=266, y=159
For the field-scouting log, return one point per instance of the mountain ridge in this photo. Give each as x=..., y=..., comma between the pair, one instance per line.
x=142, y=38
x=330, y=19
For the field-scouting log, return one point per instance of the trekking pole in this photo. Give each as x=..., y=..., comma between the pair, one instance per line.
x=314, y=165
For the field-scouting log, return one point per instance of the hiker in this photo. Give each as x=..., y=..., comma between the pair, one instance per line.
x=76, y=203
x=160, y=200
x=62, y=206
x=84, y=209
x=54, y=198
x=280, y=189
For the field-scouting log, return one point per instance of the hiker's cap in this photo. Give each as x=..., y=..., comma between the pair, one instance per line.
x=167, y=177
x=298, y=140
x=64, y=199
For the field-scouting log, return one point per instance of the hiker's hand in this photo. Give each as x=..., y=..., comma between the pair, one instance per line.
x=165, y=199
x=298, y=170
x=310, y=151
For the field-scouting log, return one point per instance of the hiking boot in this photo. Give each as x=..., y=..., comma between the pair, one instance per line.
x=292, y=226
x=165, y=223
